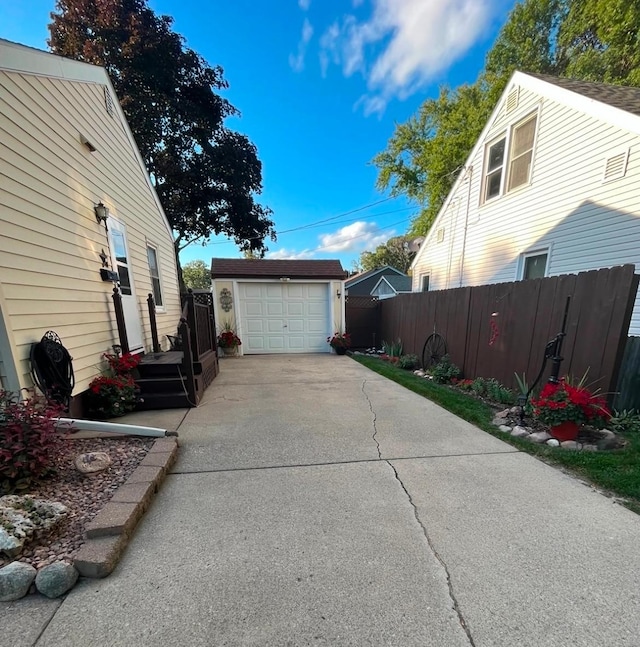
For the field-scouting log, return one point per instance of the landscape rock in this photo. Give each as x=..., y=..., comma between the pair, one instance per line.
x=92, y=462
x=519, y=432
x=503, y=414
x=56, y=579
x=540, y=437
x=589, y=448
x=553, y=442
x=609, y=440
x=15, y=580
x=505, y=428
x=570, y=444
x=21, y=517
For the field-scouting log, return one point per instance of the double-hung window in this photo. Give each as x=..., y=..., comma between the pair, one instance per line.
x=154, y=271
x=508, y=160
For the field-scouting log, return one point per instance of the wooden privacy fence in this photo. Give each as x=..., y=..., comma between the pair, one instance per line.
x=497, y=330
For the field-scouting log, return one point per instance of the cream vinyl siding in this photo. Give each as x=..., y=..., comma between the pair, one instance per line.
x=567, y=207
x=50, y=241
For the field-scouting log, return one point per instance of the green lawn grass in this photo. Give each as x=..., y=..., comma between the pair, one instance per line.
x=617, y=472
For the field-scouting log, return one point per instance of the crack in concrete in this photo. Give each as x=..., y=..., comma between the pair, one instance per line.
x=452, y=595
x=48, y=622
x=373, y=413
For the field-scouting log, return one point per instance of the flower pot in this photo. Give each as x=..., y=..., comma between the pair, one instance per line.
x=230, y=351
x=565, y=430
x=340, y=350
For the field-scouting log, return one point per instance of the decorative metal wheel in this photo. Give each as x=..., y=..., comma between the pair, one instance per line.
x=434, y=349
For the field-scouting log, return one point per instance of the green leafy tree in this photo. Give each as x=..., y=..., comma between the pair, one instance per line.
x=196, y=275
x=395, y=252
x=425, y=154
x=206, y=175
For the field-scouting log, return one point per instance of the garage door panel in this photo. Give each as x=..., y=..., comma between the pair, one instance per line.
x=317, y=327
x=275, y=308
x=255, y=326
x=275, y=326
x=295, y=309
x=316, y=309
x=273, y=291
x=252, y=291
x=315, y=291
x=296, y=325
x=295, y=291
x=253, y=308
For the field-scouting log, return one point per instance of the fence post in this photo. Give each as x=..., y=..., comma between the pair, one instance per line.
x=122, y=329
x=187, y=361
x=154, y=326
x=191, y=320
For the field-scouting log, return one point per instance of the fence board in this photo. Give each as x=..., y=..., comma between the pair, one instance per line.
x=628, y=396
x=527, y=315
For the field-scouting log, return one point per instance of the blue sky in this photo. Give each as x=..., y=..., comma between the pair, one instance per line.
x=320, y=85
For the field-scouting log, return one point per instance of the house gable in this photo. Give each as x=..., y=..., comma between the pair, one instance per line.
x=362, y=284
x=580, y=207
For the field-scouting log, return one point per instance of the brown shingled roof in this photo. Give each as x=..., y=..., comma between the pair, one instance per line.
x=244, y=268
x=619, y=96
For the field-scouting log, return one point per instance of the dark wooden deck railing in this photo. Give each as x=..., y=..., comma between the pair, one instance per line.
x=122, y=329
x=152, y=321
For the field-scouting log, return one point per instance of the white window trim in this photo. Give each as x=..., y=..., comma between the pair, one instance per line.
x=163, y=307
x=538, y=251
x=507, y=135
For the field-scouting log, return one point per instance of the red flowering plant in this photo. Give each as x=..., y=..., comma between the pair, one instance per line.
x=339, y=340
x=122, y=364
x=562, y=402
x=110, y=396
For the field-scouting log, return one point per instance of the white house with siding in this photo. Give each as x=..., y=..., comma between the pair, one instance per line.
x=551, y=187
x=66, y=147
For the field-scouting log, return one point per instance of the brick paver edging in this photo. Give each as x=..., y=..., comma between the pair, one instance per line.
x=108, y=534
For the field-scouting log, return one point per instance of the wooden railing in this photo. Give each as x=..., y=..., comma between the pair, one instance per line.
x=199, y=317
x=155, y=342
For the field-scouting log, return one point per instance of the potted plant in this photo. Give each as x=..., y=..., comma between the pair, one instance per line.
x=114, y=395
x=340, y=341
x=565, y=408
x=228, y=340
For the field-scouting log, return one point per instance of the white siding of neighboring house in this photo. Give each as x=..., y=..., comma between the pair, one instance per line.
x=50, y=240
x=586, y=223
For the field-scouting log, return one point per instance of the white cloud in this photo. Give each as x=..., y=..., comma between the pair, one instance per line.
x=286, y=254
x=419, y=40
x=304, y=4
x=356, y=236
x=296, y=61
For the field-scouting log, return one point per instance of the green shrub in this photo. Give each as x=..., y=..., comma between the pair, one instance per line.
x=393, y=348
x=29, y=442
x=445, y=371
x=409, y=362
x=479, y=386
x=499, y=393
x=625, y=422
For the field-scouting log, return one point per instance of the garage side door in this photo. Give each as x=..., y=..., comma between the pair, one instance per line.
x=284, y=317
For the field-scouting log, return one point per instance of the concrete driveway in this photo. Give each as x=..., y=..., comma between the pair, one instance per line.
x=316, y=503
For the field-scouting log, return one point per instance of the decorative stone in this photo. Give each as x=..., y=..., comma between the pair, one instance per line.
x=92, y=462
x=540, y=437
x=571, y=444
x=21, y=517
x=505, y=428
x=519, y=432
x=589, y=448
x=56, y=579
x=419, y=373
x=553, y=442
x=609, y=440
x=514, y=411
x=503, y=414
x=15, y=580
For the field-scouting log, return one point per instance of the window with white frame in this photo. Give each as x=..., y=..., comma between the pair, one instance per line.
x=154, y=271
x=521, y=153
x=505, y=171
x=534, y=264
x=494, y=166
x=424, y=283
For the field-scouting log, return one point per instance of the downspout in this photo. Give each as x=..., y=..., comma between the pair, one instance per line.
x=72, y=424
x=466, y=224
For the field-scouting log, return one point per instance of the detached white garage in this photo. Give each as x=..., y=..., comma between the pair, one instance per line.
x=279, y=306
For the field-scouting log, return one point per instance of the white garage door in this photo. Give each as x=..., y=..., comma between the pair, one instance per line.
x=284, y=317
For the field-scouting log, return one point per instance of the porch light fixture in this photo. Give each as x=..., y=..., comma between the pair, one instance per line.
x=102, y=213
x=338, y=293
x=285, y=278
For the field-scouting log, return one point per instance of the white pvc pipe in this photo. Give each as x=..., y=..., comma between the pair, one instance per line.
x=67, y=424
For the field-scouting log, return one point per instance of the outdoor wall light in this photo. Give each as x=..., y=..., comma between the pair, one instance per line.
x=338, y=293
x=102, y=213
x=285, y=278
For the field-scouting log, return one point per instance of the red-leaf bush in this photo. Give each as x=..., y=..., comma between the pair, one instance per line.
x=29, y=442
x=110, y=397
x=122, y=364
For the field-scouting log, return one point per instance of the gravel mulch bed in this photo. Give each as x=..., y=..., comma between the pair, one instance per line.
x=84, y=496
